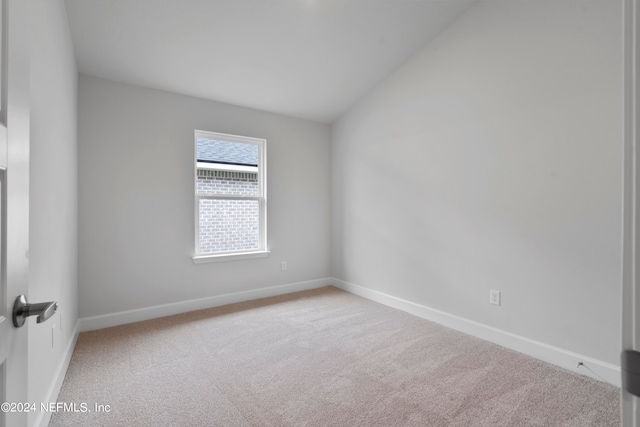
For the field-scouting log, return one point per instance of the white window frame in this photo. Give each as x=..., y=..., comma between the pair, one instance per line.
x=261, y=198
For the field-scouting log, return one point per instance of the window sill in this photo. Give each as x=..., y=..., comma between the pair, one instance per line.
x=201, y=259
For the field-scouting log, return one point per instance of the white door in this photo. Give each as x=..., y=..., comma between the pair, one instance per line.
x=631, y=224
x=14, y=204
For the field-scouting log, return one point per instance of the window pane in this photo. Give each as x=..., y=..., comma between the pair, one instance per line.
x=228, y=225
x=225, y=167
x=230, y=165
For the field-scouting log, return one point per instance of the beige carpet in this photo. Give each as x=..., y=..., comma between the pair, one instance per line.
x=317, y=358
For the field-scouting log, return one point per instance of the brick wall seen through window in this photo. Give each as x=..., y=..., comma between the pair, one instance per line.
x=228, y=225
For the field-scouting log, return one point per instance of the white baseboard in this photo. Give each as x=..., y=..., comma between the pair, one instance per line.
x=147, y=313
x=43, y=418
x=597, y=369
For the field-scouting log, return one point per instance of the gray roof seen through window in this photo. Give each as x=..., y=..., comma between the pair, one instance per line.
x=225, y=152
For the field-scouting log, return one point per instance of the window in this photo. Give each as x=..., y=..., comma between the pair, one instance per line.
x=230, y=196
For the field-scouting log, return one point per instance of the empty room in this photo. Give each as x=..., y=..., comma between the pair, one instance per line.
x=319, y=213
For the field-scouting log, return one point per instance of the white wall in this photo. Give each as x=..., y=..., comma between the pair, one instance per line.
x=492, y=160
x=53, y=196
x=136, y=229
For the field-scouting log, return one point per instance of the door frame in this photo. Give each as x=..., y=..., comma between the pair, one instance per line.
x=630, y=405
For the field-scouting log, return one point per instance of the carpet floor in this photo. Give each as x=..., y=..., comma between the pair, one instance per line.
x=317, y=358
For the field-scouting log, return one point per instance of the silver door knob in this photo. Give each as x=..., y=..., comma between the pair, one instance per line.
x=22, y=309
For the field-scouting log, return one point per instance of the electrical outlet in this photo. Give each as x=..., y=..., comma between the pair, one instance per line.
x=494, y=297
x=284, y=265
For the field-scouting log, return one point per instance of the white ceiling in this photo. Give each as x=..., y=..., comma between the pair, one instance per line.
x=303, y=58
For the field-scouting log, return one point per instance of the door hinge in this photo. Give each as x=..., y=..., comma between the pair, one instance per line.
x=630, y=369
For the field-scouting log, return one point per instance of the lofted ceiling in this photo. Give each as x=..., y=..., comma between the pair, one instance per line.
x=310, y=59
